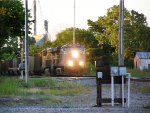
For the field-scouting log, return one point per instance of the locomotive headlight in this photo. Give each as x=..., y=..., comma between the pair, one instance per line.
x=81, y=63
x=70, y=63
x=75, y=54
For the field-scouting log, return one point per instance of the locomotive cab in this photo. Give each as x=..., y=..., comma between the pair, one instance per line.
x=73, y=59
x=64, y=60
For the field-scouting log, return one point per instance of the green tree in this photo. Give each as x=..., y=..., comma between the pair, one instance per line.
x=47, y=44
x=12, y=19
x=137, y=35
x=83, y=37
x=37, y=49
x=34, y=49
x=136, y=31
x=31, y=40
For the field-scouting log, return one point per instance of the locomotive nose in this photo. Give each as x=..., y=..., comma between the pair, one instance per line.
x=75, y=53
x=81, y=63
x=70, y=63
x=75, y=63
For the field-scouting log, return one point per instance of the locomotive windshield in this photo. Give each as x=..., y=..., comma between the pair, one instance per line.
x=74, y=49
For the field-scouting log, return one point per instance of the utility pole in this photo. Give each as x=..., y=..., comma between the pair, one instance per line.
x=121, y=33
x=34, y=17
x=26, y=42
x=74, y=25
x=121, y=44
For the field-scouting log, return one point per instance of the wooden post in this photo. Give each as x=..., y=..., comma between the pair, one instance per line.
x=99, y=92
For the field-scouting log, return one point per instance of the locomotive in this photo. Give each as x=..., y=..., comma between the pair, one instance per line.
x=64, y=60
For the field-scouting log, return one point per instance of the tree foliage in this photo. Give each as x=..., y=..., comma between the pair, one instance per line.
x=12, y=19
x=136, y=31
x=37, y=49
x=83, y=37
x=137, y=34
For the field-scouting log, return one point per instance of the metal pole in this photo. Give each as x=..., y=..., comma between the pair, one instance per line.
x=74, y=26
x=129, y=76
x=35, y=17
x=26, y=42
x=22, y=46
x=121, y=34
x=112, y=90
x=122, y=91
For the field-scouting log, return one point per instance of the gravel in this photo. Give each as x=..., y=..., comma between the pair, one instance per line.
x=73, y=110
x=84, y=103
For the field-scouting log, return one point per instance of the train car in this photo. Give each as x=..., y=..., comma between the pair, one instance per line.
x=9, y=67
x=35, y=64
x=66, y=60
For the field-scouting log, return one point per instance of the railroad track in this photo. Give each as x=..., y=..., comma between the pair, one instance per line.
x=138, y=79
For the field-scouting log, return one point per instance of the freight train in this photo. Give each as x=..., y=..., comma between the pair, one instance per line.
x=68, y=60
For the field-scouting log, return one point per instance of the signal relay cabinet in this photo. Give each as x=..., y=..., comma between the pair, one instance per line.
x=103, y=76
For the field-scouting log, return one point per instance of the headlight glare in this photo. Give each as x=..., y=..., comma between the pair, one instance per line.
x=81, y=63
x=75, y=54
x=70, y=63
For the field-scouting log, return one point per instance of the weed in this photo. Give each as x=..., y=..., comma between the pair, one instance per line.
x=138, y=73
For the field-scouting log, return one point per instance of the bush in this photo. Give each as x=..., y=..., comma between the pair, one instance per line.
x=90, y=69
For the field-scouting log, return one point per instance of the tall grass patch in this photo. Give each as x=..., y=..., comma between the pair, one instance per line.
x=138, y=73
x=49, y=82
x=38, y=91
x=9, y=86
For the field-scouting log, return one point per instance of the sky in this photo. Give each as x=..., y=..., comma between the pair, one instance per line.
x=60, y=13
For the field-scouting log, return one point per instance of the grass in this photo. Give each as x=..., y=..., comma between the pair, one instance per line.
x=40, y=82
x=54, y=87
x=8, y=86
x=138, y=73
x=38, y=91
x=91, y=70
